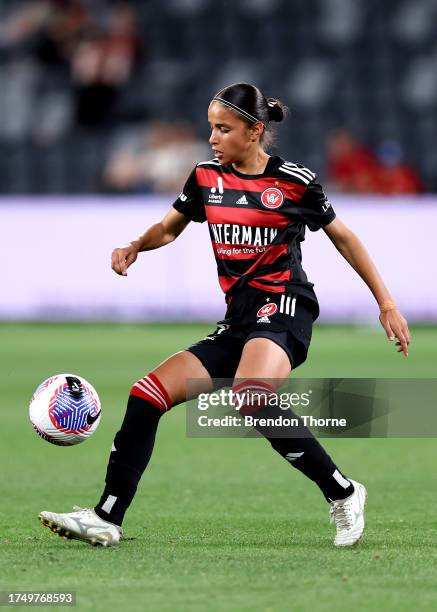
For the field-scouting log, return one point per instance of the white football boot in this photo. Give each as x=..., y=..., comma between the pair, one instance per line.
x=83, y=524
x=348, y=516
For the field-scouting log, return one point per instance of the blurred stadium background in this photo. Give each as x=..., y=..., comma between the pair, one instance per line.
x=83, y=81
x=103, y=108
x=103, y=114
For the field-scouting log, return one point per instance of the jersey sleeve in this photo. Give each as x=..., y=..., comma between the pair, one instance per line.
x=190, y=201
x=315, y=208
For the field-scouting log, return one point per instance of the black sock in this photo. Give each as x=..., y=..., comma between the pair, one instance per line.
x=302, y=450
x=131, y=452
x=308, y=456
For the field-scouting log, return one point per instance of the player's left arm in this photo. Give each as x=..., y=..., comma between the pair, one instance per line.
x=355, y=253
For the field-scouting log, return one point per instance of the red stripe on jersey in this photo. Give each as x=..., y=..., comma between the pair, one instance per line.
x=208, y=178
x=260, y=262
x=230, y=251
x=291, y=190
x=273, y=252
x=270, y=288
x=282, y=275
x=249, y=216
x=226, y=282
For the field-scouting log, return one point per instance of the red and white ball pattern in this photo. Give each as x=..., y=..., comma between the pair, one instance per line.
x=62, y=415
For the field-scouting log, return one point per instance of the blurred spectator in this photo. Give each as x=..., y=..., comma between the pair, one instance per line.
x=37, y=40
x=395, y=176
x=75, y=62
x=123, y=44
x=59, y=35
x=102, y=63
x=47, y=30
x=354, y=168
x=351, y=167
x=159, y=160
x=19, y=25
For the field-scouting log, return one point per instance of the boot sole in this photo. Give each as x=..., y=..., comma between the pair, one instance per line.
x=68, y=535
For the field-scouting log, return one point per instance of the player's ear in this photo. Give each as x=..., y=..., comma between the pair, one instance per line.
x=256, y=130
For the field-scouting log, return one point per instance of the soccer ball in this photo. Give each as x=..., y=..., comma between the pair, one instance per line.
x=65, y=410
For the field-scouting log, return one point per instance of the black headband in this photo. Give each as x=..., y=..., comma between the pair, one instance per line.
x=238, y=109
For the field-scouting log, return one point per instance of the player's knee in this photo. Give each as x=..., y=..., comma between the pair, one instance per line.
x=150, y=389
x=252, y=396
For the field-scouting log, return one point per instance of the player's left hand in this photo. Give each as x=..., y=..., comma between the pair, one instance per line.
x=396, y=327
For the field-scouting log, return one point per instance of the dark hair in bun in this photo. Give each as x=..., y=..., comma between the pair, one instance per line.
x=277, y=110
x=251, y=105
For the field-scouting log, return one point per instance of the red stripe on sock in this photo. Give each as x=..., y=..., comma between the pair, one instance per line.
x=148, y=386
x=146, y=396
x=256, y=388
x=248, y=384
x=161, y=388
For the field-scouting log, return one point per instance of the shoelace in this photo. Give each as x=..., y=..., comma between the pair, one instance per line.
x=341, y=514
x=90, y=512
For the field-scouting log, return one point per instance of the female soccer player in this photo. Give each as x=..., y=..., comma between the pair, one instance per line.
x=257, y=207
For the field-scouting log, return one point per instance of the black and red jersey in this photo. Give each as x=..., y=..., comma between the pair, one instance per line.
x=257, y=222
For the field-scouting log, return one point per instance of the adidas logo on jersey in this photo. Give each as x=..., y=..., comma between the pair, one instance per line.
x=242, y=200
x=263, y=320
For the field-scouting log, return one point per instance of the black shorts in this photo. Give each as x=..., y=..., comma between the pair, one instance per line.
x=286, y=319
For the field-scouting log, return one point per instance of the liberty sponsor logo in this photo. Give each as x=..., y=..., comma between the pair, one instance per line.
x=272, y=197
x=267, y=310
x=214, y=197
x=230, y=233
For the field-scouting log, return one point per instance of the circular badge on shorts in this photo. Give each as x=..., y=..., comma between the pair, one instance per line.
x=267, y=310
x=272, y=197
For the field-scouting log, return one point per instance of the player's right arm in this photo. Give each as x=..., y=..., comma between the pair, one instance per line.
x=156, y=236
x=188, y=207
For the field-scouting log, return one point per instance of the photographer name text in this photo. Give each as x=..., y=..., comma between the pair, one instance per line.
x=280, y=421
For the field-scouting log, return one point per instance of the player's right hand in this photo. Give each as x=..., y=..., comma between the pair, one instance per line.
x=123, y=257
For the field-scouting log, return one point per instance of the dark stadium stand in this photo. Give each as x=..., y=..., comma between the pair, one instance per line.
x=370, y=67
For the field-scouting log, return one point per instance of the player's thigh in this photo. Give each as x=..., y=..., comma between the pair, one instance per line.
x=174, y=372
x=263, y=358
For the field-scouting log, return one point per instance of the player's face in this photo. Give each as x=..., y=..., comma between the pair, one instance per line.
x=232, y=139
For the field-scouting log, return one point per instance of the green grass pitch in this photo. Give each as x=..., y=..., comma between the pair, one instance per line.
x=217, y=524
